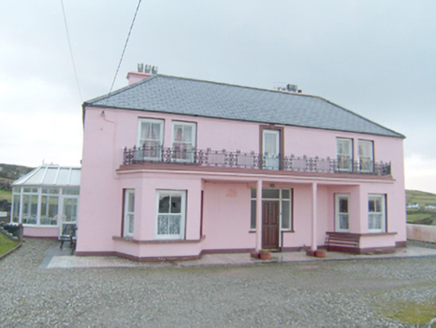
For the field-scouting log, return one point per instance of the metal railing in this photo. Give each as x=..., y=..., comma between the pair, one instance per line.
x=251, y=160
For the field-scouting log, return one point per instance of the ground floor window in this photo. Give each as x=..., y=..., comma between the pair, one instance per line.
x=129, y=212
x=170, y=220
x=284, y=196
x=376, y=213
x=342, y=216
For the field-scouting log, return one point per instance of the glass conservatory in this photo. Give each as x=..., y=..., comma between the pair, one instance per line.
x=46, y=201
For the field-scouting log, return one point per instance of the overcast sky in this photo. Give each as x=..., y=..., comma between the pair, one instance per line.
x=376, y=58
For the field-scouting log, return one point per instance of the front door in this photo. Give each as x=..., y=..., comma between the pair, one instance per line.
x=270, y=224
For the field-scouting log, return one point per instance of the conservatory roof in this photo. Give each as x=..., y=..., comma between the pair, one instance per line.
x=51, y=176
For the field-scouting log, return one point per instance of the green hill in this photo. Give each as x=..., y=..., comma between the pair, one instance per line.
x=420, y=197
x=11, y=172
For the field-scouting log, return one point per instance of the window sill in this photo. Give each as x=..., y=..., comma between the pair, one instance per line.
x=285, y=231
x=30, y=225
x=159, y=241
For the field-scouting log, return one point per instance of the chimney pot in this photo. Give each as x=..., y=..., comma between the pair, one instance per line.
x=144, y=71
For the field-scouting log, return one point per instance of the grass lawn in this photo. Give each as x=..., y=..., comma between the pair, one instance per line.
x=5, y=194
x=413, y=314
x=417, y=216
x=6, y=244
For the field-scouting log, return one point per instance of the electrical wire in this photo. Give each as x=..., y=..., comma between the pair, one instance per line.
x=125, y=46
x=71, y=51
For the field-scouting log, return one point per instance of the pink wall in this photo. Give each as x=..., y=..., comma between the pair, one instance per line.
x=226, y=222
x=226, y=218
x=41, y=232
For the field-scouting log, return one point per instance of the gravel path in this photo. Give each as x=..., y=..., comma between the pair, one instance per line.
x=329, y=294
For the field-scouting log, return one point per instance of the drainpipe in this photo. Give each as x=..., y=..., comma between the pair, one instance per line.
x=259, y=216
x=314, y=214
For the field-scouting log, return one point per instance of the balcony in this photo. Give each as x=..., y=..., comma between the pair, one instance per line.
x=252, y=160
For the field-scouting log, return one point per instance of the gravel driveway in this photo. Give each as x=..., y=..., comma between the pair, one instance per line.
x=330, y=294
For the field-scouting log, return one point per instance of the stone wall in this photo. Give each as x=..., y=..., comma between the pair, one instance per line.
x=421, y=232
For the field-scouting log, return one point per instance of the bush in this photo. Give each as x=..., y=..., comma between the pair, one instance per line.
x=12, y=228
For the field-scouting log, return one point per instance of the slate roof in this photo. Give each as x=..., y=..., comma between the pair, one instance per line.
x=169, y=94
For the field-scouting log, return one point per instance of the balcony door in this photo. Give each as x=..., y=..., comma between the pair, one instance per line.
x=271, y=149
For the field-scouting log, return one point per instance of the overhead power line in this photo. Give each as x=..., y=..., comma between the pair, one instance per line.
x=125, y=46
x=71, y=51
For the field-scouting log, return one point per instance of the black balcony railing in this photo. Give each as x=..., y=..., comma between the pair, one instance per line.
x=251, y=160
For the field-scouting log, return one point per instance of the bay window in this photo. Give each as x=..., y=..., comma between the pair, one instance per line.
x=377, y=213
x=129, y=212
x=170, y=220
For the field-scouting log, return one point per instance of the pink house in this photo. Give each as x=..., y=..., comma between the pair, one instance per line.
x=176, y=168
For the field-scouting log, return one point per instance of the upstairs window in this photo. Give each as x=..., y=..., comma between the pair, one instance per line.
x=150, y=139
x=344, y=154
x=183, y=144
x=366, y=156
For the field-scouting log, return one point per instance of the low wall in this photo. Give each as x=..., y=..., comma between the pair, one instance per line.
x=421, y=232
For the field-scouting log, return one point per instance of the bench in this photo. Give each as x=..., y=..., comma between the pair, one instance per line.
x=345, y=242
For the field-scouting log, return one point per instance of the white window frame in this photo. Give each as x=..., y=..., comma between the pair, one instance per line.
x=271, y=161
x=148, y=154
x=338, y=214
x=190, y=155
x=381, y=213
x=344, y=157
x=366, y=161
x=128, y=215
x=29, y=194
x=49, y=195
x=181, y=235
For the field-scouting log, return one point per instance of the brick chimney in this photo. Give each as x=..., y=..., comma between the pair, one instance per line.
x=143, y=73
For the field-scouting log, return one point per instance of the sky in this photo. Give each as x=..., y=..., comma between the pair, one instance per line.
x=376, y=58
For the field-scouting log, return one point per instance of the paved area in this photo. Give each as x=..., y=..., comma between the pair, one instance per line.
x=55, y=258
x=306, y=292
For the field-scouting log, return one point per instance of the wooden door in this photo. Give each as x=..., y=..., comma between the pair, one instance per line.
x=270, y=224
